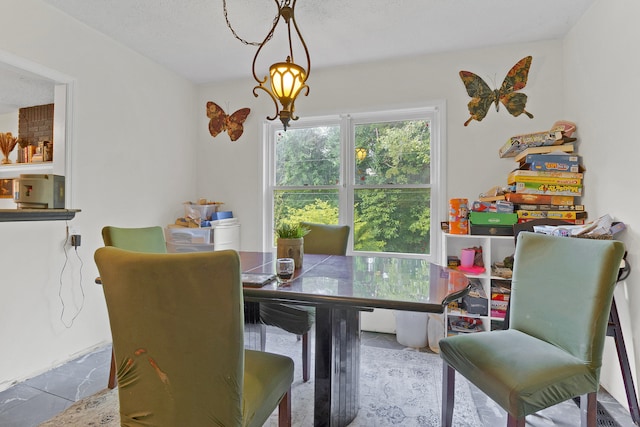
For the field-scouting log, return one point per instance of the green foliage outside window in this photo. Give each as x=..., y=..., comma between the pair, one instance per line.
x=391, y=195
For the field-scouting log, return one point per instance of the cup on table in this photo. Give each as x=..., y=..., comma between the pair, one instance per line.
x=284, y=269
x=467, y=257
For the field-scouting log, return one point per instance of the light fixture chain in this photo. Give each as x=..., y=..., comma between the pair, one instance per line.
x=226, y=18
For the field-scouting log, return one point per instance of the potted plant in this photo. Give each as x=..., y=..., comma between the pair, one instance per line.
x=290, y=242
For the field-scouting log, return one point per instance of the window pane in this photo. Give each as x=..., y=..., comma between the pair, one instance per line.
x=320, y=206
x=308, y=156
x=393, y=153
x=392, y=220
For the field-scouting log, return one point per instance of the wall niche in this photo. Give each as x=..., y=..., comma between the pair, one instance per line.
x=35, y=131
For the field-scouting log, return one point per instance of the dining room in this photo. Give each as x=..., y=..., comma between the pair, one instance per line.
x=139, y=145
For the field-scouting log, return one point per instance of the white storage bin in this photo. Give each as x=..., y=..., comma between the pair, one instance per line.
x=411, y=328
x=226, y=237
x=188, y=235
x=223, y=234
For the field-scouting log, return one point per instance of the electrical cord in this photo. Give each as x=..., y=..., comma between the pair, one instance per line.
x=66, y=260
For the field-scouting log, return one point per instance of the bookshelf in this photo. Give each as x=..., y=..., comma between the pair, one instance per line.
x=494, y=249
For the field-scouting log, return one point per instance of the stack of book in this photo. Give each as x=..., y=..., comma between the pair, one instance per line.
x=547, y=184
x=500, y=293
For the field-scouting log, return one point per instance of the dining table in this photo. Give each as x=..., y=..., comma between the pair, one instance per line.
x=340, y=288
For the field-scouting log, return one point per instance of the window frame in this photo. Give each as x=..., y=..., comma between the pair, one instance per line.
x=434, y=111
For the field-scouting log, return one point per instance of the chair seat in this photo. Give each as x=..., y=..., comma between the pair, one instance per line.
x=295, y=319
x=525, y=376
x=267, y=377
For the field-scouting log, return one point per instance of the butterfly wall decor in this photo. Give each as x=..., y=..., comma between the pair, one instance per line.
x=482, y=95
x=221, y=121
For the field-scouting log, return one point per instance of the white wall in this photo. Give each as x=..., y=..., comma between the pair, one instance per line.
x=473, y=165
x=9, y=123
x=601, y=95
x=132, y=165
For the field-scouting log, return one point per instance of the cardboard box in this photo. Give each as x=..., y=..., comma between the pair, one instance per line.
x=525, y=207
x=567, y=148
x=525, y=214
x=568, y=221
x=550, y=189
x=539, y=199
x=476, y=302
x=559, y=133
x=499, y=305
x=500, y=206
x=519, y=143
x=553, y=162
x=490, y=230
x=479, y=206
x=493, y=218
x=550, y=177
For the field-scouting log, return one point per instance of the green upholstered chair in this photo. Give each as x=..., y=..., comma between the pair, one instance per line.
x=297, y=319
x=326, y=239
x=561, y=293
x=143, y=239
x=178, y=335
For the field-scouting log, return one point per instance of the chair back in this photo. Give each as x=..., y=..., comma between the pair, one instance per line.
x=529, y=225
x=326, y=239
x=561, y=291
x=177, y=327
x=145, y=239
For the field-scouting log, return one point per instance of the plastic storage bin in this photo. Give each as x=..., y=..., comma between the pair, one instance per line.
x=411, y=328
x=204, y=212
x=223, y=234
x=188, y=235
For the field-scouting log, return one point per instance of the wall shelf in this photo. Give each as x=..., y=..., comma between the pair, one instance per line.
x=14, y=170
x=9, y=215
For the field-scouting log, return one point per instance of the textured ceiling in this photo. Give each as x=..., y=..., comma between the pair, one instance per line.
x=191, y=36
x=19, y=88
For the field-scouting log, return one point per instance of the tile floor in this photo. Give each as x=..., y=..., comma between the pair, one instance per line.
x=38, y=399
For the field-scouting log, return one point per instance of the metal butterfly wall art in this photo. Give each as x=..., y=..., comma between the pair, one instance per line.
x=221, y=121
x=482, y=95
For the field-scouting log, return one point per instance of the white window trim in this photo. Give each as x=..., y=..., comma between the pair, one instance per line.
x=434, y=110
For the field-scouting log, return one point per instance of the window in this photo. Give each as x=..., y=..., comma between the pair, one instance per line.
x=381, y=173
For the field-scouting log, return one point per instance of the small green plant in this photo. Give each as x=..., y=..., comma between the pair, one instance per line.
x=289, y=231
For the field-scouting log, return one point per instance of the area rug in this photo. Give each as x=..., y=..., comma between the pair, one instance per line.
x=397, y=388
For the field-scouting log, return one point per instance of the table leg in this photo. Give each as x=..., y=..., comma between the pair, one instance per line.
x=337, y=370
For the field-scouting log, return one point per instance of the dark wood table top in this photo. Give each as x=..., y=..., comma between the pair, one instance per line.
x=361, y=282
